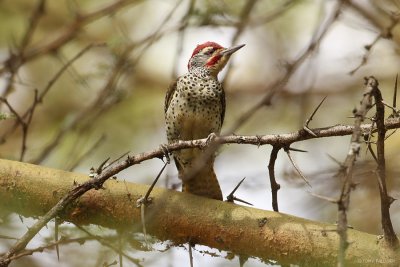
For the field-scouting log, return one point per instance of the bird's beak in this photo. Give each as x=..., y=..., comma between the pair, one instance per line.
x=231, y=50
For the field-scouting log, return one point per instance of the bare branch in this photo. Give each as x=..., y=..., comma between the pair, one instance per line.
x=106, y=243
x=93, y=147
x=14, y=62
x=70, y=31
x=329, y=199
x=347, y=183
x=39, y=98
x=297, y=168
x=271, y=171
x=386, y=200
x=290, y=70
x=305, y=127
x=115, y=168
x=384, y=28
x=244, y=20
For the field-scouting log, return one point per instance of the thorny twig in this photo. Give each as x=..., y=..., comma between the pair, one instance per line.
x=89, y=151
x=95, y=183
x=21, y=121
x=232, y=198
x=143, y=201
x=290, y=70
x=329, y=199
x=305, y=127
x=25, y=119
x=83, y=118
x=244, y=19
x=106, y=97
x=287, y=150
x=347, y=182
x=108, y=244
x=26, y=252
x=275, y=87
x=70, y=31
x=57, y=222
x=115, y=168
x=379, y=22
x=15, y=61
x=385, y=34
x=181, y=36
x=386, y=200
x=368, y=141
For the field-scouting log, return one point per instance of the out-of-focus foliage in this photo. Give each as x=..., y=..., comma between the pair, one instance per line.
x=110, y=100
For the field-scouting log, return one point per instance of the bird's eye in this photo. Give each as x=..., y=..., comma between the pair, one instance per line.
x=210, y=51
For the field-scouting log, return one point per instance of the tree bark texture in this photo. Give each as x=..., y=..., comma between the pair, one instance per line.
x=32, y=190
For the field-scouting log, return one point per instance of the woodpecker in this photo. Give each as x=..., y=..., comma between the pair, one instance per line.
x=194, y=109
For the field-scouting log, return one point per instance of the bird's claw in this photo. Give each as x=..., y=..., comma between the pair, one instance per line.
x=166, y=152
x=210, y=139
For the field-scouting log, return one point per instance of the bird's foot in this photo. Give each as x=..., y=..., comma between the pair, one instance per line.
x=166, y=152
x=210, y=139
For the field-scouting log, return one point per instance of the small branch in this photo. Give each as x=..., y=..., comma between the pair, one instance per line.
x=347, y=183
x=87, y=116
x=13, y=111
x=20, y=121
x=39, y=97
x=15, y=61
x=329, y=199
x=25, y=127
x=297, y=168
x=305, y=127
x=395, y=92
x=32, y=24
x=368, y=141
x=395, y=112
x=40, y=249
x=92, y=148
x=244, y=20
x=108, y=244
x=386, y=200
x=57, y=223
x=385, y=33
x=291, y=68
x=69, y=32
x=271, y=170
x=181, y=36
x=143, y=201
x=190, y=255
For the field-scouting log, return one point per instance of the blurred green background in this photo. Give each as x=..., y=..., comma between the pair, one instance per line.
x=141, y=46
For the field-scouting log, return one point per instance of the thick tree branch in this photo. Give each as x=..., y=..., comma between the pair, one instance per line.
x=32, y=190
x=78, y=191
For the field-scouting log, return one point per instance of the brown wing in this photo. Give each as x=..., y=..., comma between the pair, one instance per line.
x=170, y=93
x=223, y=104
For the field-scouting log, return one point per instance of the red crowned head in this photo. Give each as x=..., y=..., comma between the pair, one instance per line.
x=211, y=56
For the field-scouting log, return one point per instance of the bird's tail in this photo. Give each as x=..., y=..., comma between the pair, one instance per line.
x=201, y=182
